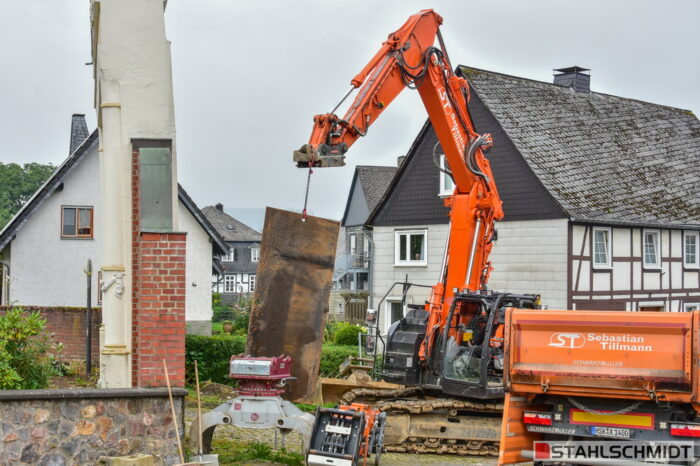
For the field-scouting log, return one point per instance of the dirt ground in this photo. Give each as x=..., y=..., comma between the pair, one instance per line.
x=292, y=442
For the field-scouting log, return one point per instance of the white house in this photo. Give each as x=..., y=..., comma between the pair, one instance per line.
x=46, y=246
x=600, y=195
x=352, y=276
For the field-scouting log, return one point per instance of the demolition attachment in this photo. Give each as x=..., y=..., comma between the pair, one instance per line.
x=259, y=405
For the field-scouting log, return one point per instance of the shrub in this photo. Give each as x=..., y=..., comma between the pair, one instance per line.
x=220, y=310
x=241, y=322
x=332, y=327
x=212, y=355
x=347, y=334
x=241, y=313
x=24, y=359
x=332, y=356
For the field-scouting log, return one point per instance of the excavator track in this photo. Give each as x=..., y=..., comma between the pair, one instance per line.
x=418, y=423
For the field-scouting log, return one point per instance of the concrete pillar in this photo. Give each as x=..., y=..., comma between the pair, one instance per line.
x=134, y=103
x=115, y=352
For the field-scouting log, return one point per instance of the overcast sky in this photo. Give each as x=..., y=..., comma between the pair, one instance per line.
x=250, y=75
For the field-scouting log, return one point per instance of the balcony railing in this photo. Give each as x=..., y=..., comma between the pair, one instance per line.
x=350, y=263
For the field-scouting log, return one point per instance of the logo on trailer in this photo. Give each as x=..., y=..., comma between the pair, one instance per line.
x=567, y=340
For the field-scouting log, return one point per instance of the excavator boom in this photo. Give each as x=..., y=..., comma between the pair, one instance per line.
x=408, y=58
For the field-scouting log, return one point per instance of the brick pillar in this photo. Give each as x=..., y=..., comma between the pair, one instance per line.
x=158, y=316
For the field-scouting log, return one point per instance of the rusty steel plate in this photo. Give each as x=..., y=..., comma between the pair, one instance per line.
x=293, y=285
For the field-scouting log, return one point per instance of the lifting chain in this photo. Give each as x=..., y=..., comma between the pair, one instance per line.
x=583, y=407
x=304, y=213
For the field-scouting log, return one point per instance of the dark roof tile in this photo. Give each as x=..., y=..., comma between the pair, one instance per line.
x=374, y=181
x=228, y=227
x=603, y=158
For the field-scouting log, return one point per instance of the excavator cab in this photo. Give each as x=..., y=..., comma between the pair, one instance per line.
x=468, y=360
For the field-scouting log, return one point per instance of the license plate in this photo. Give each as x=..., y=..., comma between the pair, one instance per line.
x=610, y=432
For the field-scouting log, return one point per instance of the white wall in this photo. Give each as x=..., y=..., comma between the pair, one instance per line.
x=198, y=269
x=47, y=270
x=530, y=256
x=628, y=281
x=386, y=273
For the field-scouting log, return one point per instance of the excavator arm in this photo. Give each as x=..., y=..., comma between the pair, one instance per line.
x=409, y=59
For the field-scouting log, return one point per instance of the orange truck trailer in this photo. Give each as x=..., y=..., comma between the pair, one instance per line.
x=599, y=375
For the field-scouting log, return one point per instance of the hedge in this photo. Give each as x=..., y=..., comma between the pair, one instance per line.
x=212, y=355
x=332, y=356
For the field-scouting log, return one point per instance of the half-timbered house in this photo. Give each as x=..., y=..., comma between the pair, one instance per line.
x=600, y=193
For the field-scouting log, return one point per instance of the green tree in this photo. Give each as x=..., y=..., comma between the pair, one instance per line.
x=17, y=184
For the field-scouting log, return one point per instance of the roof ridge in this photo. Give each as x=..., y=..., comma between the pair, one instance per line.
x=537, y=81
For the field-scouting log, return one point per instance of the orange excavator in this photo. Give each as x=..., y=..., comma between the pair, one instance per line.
x=453, y=345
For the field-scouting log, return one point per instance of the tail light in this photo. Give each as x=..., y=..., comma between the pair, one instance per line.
x=685, y=430
x=540, y=419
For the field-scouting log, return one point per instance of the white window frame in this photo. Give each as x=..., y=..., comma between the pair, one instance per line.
x=387, y=308
x=696, y=235
x=353, y=243
x=397, y=243
x=642, y=305
x=608, y=252
x=231, y=256
x=231, y=282
x=657, y=263
x=251, y=282
x=254, y=254
x=444, y=178
x=689, y=307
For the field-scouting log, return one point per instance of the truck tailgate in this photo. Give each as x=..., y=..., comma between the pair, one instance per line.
x=610, y=350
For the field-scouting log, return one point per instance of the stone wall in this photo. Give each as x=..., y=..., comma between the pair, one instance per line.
x=67, y=324
x=66, y=427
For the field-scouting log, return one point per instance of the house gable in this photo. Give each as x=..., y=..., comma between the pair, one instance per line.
x=356, y=212
x=412, y=197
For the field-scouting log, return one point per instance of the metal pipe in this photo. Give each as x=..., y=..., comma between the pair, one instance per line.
x=443, y=269
x=370, y=281
x=473, y=250
x=113, y=162
x=88, y=320
x=4, y=284
x=352, y=88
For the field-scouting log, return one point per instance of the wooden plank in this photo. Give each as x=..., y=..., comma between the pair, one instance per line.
x=293, y=286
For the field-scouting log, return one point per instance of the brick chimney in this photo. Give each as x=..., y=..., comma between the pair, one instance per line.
x=573, y=77
x=219, y=207
x=78, y=131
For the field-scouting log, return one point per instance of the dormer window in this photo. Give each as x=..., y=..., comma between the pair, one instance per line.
x=254, y=254
x=231, y=256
